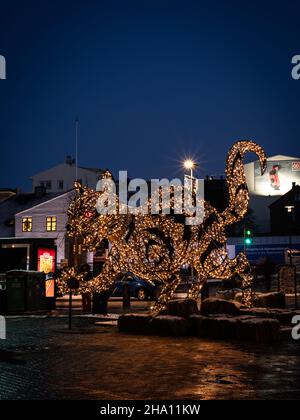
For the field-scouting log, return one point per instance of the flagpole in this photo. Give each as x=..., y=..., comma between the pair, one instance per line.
x=76, y=147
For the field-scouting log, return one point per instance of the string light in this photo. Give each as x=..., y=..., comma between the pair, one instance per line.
x=156, y=247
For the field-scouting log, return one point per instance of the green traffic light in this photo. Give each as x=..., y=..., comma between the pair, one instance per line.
x=248, y=232
x=248, y=241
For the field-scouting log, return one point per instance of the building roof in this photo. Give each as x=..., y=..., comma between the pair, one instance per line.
x=92, y=169
x=287, y=197
x=6, y=193
x=16, y=204
x=283, y=157
x=64, y=164
x=50, y=198
x=276, y=158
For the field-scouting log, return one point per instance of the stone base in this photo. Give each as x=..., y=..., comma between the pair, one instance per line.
x=169, y=325
x=181, y=307
x=266, y=300
x=212, y=306
x=218, y=327
x=258, y=329
x=134, y=323
x=243, y=328
x=284, y=316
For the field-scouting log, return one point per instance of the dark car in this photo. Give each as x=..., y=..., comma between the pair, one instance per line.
x=140, y=289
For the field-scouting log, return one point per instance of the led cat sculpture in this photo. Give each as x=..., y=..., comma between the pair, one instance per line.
x=157, y=246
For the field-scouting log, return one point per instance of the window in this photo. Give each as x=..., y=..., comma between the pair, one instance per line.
x=46, y=184
x=27, y=224
x=60, y=184
x=51, y=224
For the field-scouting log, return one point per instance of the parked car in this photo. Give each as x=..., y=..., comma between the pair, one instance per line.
x=139, y=288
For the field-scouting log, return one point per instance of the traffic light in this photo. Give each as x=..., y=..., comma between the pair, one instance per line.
x=248, y=236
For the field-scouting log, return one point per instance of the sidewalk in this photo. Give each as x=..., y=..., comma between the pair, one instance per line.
x=40, y=360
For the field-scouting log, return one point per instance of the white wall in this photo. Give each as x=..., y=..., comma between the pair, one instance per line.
x=66, y=173
x=55, y=207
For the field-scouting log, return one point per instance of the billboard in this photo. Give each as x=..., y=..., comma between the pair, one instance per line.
x=278, y=178
x=46, y=260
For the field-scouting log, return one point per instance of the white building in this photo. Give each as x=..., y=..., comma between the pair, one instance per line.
x=61, y=178
x=46, y=221
x=281, y=172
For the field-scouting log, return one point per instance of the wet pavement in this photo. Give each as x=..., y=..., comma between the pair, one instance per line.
x=41, y=359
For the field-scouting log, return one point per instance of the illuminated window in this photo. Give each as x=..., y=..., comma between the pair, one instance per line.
x=27, y=224
x=51, y=224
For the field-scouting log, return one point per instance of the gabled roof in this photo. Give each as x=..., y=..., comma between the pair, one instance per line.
x=283, y=199
x=16, y=204
x=282, y=157
x=44, y=202
x=277, y=158
x=92, y=169
x=6, y=193
x=63, y=164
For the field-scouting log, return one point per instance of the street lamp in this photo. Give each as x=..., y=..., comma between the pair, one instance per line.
x=189, y=164
x=290, y=211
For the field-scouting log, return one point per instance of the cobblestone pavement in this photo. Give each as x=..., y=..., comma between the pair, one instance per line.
x=42, y=360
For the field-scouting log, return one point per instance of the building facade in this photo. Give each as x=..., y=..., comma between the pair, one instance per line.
x=36, y=239
x=47, y=221
x=285, y=213
x=61, y=178
x=280, y=174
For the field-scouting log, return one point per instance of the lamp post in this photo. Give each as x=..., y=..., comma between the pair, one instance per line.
x=190, y=165
x=290, y=212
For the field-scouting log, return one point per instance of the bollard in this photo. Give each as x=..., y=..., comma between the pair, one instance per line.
x=126, y=295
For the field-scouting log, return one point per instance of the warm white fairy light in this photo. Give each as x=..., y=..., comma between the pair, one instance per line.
x=157, y=246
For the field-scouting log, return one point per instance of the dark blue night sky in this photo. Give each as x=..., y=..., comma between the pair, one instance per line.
x=151, y=81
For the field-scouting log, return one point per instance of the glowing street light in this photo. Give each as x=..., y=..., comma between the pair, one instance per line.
x=189, y=164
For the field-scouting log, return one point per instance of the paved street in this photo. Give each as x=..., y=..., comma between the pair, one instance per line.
x=42, y=360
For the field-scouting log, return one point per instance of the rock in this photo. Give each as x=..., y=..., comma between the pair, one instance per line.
x=284, y=316
x=181, y=307
x=266, y=300
x=270, y=300
x=258, y=329
x=244, y=327
x=227, y=294
x=220, y=306
x=257, y=312
x=223, y=327
x=134, y=323
x=169, y=325
x=198, y=325
x=285, y=333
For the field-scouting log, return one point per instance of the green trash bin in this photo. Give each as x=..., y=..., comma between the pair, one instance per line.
x=25, y=291
x=15, y=291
